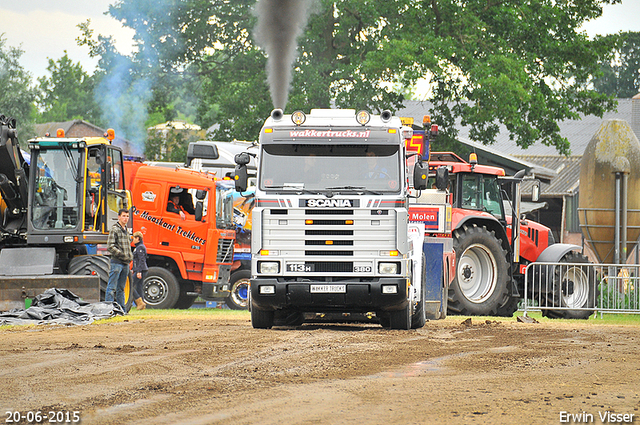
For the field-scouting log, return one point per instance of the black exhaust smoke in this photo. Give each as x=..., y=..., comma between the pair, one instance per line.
x=280, y=22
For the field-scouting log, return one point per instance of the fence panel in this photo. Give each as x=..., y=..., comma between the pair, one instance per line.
x=574, y=290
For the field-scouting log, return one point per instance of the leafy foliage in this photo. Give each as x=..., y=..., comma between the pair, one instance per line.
x=68, y=93
x=621, y=74
x=169, y=146
x=521, y=65
x=17, y=97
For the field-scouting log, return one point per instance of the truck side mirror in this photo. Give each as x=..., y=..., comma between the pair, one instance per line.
x=442, y=178
x=240, y=177
x=201, y=194
x=199, y=209
x=420, y=175
x=535, y=191
x=242, y=158
x=203, y=150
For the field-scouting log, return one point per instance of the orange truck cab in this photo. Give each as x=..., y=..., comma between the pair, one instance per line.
x=186, y=218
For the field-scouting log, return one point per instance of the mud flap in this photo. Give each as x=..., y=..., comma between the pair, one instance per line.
x=14, y=291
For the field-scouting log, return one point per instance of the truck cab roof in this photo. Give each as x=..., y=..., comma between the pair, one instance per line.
x=329, y=118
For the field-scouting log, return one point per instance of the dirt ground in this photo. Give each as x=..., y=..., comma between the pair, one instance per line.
x=210, y=369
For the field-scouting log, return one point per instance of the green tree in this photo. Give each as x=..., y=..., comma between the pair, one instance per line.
x=137, y=91
x=68, y=93
x=524, y=65
x=17, y=97
x=234, y=96
x=210, y=43
x=169, y=145
x=621, y=75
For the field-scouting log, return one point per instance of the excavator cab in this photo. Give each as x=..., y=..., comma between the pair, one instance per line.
x=77, y=189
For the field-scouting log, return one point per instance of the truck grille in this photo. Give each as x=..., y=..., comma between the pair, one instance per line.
x=329, y=240
x=225, y=251
x=328, y=232
x=331, y=267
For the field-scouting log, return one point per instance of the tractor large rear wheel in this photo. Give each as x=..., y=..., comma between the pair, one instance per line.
x=480, y=285
x=574, y=288
x=510, y=307
x=98, y=265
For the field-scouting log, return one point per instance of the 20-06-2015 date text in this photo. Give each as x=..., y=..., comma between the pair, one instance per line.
x=39, y=417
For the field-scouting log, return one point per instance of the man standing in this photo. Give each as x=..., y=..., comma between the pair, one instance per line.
x=119, y=246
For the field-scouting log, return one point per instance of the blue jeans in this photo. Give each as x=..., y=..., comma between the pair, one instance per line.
x=117, y=280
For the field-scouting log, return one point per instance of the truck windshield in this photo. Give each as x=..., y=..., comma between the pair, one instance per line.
x=224, y=206
x=321, y=167
x=55, y=201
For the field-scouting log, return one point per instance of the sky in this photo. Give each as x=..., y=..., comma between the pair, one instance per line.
x=44, y=29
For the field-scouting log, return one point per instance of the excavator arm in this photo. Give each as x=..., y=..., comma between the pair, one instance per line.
x=13, y=180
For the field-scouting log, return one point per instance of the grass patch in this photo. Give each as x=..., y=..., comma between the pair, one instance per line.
x=595, y=319
x=617, y=319
x=177, y=314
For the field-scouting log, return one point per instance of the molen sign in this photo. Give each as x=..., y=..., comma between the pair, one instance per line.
x=429, y=216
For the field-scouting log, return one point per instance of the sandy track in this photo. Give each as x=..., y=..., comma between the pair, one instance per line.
x=217, y=369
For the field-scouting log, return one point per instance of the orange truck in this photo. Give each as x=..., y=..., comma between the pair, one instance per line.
x=189, y=253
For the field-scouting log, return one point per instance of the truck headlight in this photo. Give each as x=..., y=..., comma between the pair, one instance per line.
x=388, y=268
x=269, y=267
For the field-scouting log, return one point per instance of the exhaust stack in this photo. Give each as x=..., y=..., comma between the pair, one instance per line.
x=280, y=23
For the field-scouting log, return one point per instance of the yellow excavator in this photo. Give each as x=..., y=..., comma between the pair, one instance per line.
x=58, y=202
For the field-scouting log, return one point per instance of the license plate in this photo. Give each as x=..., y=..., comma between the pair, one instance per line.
x=328, y=289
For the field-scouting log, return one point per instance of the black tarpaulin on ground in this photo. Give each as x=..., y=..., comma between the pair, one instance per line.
x=60, y=306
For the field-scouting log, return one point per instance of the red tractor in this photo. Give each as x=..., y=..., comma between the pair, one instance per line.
x=491, y=259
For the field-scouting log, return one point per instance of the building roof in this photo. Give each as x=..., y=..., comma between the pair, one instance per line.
x=175, y=125
x=81, y=128
x=567, y=177
x=488, y=155
x=52, y=127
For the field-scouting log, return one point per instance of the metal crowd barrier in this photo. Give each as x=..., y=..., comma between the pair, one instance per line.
x=576, y=290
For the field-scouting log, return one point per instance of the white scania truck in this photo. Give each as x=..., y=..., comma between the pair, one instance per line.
x=331, y=227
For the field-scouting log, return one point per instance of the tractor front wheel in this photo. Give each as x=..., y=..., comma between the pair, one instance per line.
x=480, y=285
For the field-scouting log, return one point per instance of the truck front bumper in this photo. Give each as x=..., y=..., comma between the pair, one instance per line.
x=220, y=288
x=358, y=296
